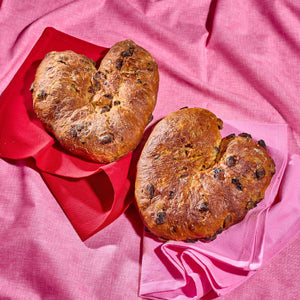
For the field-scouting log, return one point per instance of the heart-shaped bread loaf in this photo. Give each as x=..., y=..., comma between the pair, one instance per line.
x=98, y=114
x=192, y=184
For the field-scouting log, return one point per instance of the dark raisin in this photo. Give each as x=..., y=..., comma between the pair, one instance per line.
x=139, y=81
x=249, y=205
x=217, y=149
x=245, y=135
x=96, y=84
x=191, y=241
x=256, y=202
x=160, y=218
x=79, y=127
x=98, y=75
x=260, y=173
x=203, y=207
x=146, y=229
x=91, y=90
x=75, y=88
x=172, y=228
x=188, y=146
x=61, y=60
x=150, y=189
x=109, y=96
x=213, y=237
x=105, y=109
x=156, y=156
x=171, y=194
x=230, y=161
x=73, y=132
x=219, y=230
x=150, y=119
x=92, y=61
x=88, y=69
x=237, y=183
x=82, y=142
x=105, y=139
x=127, y=52
x=218, y=173
x=262, y=144
x=119, y=64
x=230, y=136
x=117, y=102
x=227, y=221
x=150, y=69
x=42, y=94
x=184, y=175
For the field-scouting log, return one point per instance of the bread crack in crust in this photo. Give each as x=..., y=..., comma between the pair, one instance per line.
x=191, y=184
x=99, y=114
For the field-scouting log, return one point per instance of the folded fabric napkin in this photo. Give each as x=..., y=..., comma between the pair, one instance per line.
x=180, y=270
x=92, y=195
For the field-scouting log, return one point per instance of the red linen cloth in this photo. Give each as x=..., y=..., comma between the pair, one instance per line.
x=92, y=195
x=240, y=59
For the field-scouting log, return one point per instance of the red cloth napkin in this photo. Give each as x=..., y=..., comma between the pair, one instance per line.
x=92, y=195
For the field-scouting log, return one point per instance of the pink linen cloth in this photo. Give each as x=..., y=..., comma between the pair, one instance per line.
x=238, y=59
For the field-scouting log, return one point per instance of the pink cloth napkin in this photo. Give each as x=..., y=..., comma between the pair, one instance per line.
x=179, y=270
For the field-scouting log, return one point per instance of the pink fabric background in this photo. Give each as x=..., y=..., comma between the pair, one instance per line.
x=239, y=59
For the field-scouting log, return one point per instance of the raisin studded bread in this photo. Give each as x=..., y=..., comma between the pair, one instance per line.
x=191, y=184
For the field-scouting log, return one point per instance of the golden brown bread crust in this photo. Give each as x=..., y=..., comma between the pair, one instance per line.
x=98, y=114
x=191, y=184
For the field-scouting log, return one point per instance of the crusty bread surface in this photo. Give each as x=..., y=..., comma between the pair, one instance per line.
x=99, y=114
x=191, y=184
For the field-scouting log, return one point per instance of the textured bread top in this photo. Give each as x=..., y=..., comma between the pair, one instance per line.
x=191, y=184
x=98, y=114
